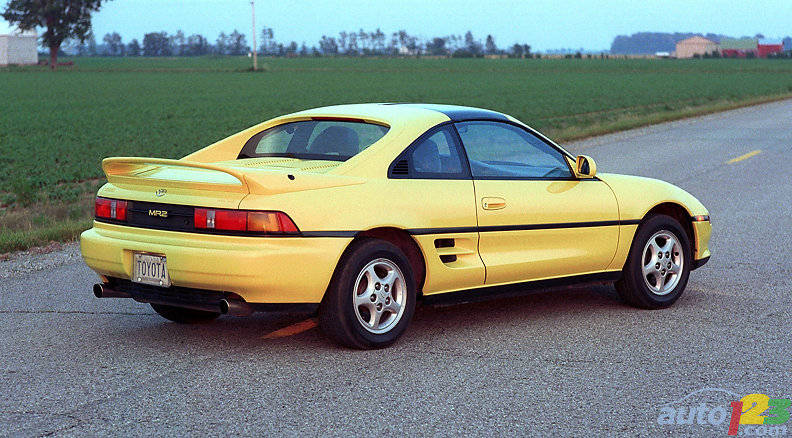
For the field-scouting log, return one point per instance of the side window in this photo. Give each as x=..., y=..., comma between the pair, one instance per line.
x=436, y=156
x=500, y=150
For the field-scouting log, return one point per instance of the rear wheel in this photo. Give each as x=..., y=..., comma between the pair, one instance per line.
x=182, y=315
x=658, y=266
x=371, y=298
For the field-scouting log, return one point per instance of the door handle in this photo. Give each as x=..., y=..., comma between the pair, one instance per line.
x=493, y=203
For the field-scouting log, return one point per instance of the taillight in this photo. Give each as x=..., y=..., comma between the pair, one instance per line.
x=259, y=222
x=111, y=209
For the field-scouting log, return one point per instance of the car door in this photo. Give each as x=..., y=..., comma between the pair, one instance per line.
x=433, y=171
x=536, y=219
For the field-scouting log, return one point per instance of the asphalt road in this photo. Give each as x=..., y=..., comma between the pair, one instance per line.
x=574, y=361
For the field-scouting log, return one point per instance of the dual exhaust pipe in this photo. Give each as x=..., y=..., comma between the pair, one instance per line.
x=224, y=307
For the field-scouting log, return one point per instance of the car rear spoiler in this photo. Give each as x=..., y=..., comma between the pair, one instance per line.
x=173, y=173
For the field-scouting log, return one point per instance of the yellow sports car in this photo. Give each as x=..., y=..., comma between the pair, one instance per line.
x=360, y=211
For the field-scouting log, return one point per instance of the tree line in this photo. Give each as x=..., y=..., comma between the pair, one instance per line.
x=653, y=42
x=346, y=43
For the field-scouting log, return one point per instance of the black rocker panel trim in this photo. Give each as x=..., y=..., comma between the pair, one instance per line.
x=518, y=289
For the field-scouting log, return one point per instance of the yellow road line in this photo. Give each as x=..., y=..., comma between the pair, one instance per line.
x=744, y=157
x=292, y=330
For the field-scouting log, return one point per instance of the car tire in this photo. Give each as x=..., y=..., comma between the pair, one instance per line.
x=371, y=298
x=658, y=266
x=182, y=315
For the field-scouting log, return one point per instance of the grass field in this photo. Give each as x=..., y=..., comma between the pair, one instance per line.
x=56, y=127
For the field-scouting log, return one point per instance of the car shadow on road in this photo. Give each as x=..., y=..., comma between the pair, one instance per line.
x=532, y=309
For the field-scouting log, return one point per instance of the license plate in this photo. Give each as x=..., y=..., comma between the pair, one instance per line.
x=150, y=269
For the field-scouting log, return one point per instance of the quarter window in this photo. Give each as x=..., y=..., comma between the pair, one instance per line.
x=499, y=150
x=436, y=156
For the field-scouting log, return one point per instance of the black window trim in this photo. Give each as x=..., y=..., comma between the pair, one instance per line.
x=406, y=154
x=536, y=134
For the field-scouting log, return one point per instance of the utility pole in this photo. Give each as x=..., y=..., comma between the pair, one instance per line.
x=253, y=11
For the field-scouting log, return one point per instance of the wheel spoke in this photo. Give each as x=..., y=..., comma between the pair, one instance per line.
x=371, y=275
x=659, y=281
x=390, y=277
x=650, y=268
x=669, y=244
x=393, y=307
x=675, y=268
x=364, y=299
x=654, y=248
x=375, y=318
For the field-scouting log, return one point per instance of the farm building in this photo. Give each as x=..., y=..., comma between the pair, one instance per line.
x=738, y=48
x=18, y=48
x=696, y=45
x=767, y=46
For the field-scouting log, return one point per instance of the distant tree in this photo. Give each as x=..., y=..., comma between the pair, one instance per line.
x=759, y=36
x=378, y=41
x=221, y=45
x=62, y=19
x=197, y=45
x=328, y=45
x=393, y=48
x=156, y=44
x=179, y=43
x=237, y=43
x=490, y=45
x=437, y=46
x=267, y=40
x=352, y=44
x=363, y=38
x=291, y=49
x=303, y=49
x=472, y=46
x=527, y=50
x=343, y=38
x=517, y=50
x=91, y=43
x=133, y=49
x=115, y=47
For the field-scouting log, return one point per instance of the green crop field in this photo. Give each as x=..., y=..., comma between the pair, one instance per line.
x=56, y=127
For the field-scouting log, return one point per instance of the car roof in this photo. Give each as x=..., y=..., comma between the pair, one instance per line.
x=397, y=110
x=458, y=113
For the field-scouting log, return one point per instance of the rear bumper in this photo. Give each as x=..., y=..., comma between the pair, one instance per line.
x=198, y=299
x=258, y=269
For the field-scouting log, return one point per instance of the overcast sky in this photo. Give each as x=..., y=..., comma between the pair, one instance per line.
x=544, y=24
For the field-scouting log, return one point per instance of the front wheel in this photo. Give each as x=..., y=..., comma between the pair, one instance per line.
x=658, y=265
x=371, y=298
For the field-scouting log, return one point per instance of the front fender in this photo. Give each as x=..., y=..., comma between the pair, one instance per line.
x=637, y=195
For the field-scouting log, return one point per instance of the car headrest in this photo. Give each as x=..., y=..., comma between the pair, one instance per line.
x=336, y=140
x=426, y=157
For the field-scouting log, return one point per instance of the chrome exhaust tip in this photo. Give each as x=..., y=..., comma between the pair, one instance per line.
x=235, y=308
x=102, y=291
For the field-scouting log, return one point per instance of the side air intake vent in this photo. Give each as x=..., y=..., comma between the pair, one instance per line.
x=401, y=168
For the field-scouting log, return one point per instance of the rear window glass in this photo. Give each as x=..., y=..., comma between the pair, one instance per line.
x=337, y=140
